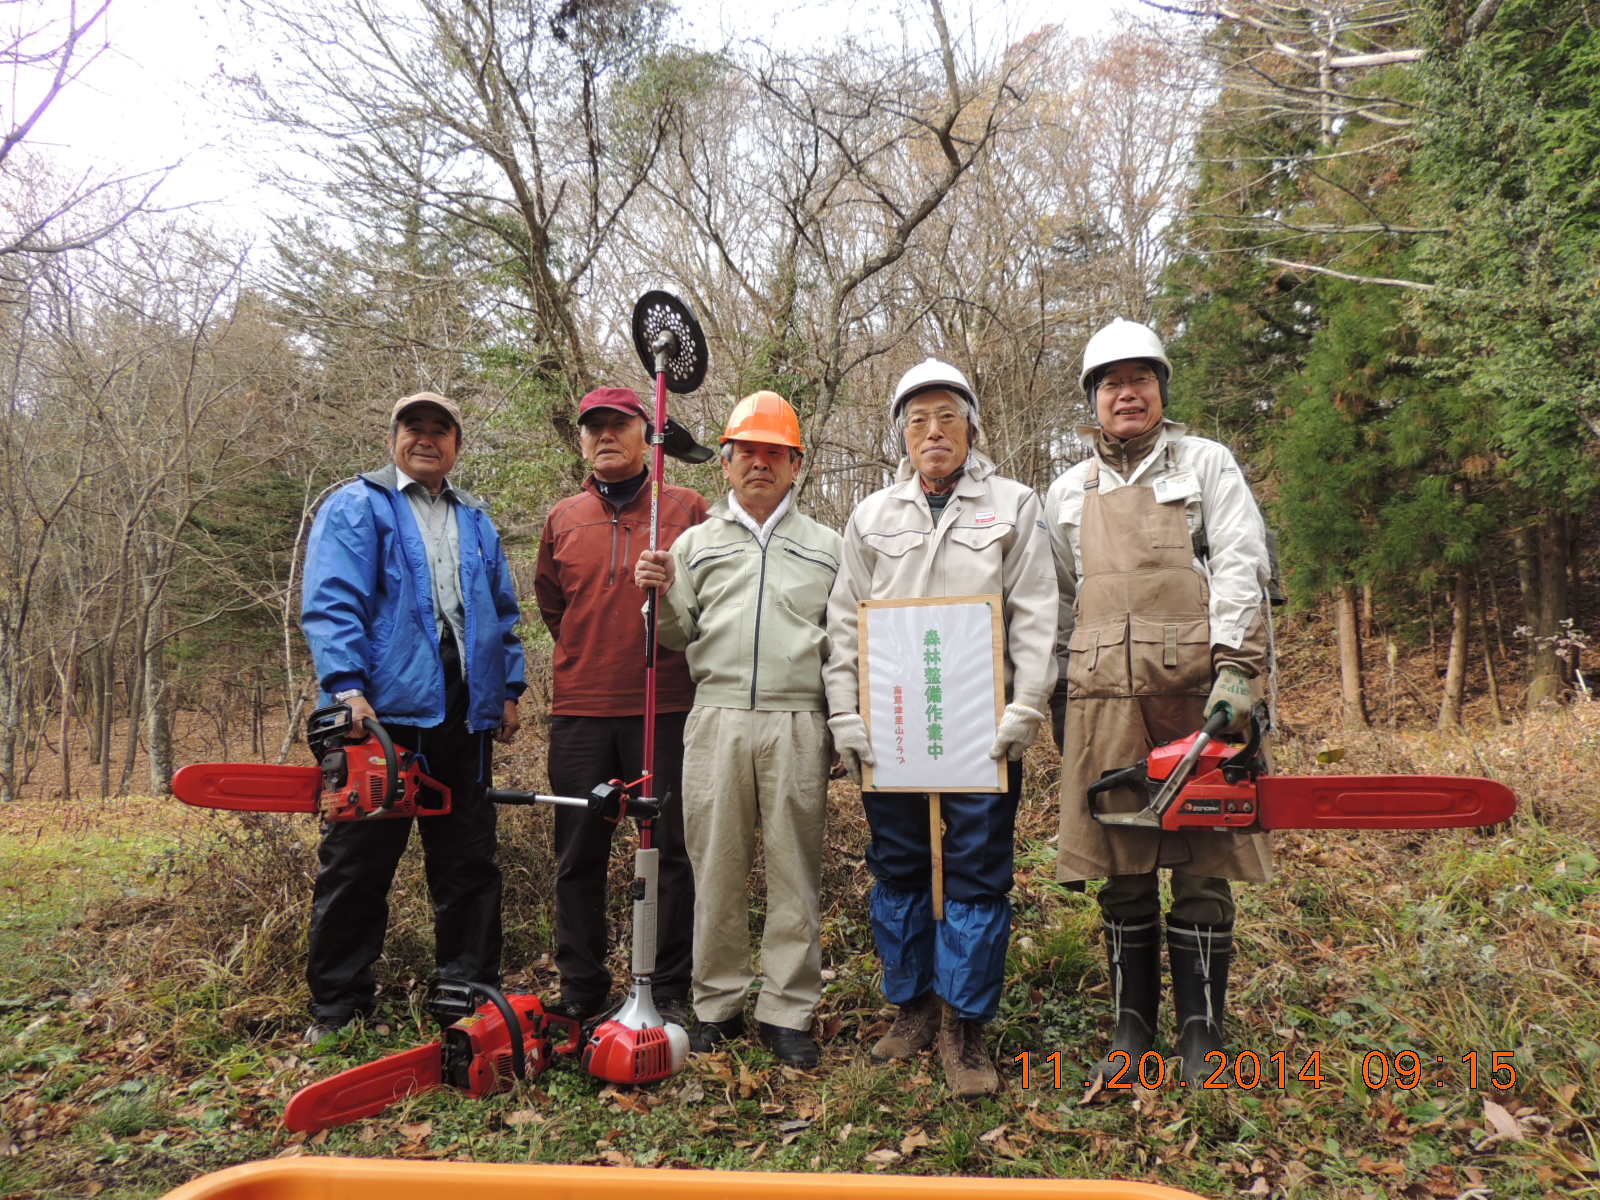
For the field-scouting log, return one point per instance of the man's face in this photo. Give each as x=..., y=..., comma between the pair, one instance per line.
x=936, y=433
x=1128, y=398
x=425, y=444
x=612, y=443
x=760, y=473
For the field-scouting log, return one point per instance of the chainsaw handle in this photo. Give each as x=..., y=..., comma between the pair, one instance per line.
x=391, y=761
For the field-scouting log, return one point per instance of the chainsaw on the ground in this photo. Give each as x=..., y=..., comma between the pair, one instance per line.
x=486, y=1048
x=356, y=778
x=1198, y=782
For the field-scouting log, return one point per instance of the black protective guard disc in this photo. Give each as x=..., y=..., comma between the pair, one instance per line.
x=657, y=312
x=680, y=444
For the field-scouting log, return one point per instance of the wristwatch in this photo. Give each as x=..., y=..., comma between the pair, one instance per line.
x=348, y=695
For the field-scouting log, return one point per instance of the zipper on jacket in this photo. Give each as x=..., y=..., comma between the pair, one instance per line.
x=616, y=529
x=761, y=587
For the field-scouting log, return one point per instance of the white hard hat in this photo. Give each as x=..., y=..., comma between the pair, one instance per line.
x=1123, y=340
x=930, y=373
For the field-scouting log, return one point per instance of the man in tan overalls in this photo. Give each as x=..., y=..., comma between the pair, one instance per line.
x=1161, y=560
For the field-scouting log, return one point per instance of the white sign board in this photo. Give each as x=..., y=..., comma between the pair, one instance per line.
x=932, y=691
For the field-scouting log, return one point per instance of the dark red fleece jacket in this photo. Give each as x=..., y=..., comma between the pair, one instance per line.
x=592, y=607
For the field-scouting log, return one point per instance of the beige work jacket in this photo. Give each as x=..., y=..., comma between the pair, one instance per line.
x=990, y=539
x=750, y=618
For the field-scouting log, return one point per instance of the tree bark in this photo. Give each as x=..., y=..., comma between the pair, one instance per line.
x=1546, y=677
x=1354, y=702
x=1489, y=671
x=1455, y=675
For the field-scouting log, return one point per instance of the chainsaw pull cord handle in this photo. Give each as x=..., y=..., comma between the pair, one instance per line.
x=519, y=1054
x=391, y=761
x=1215, y=724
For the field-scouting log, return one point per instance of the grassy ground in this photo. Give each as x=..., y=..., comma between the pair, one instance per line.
x=150, y=1000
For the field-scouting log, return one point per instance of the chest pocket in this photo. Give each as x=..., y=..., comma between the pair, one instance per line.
x=895, y=544
x=807, y=579
x=979, y=539
x=719, y=572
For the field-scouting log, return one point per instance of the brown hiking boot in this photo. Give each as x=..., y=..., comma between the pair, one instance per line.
x=967, y=1067
x=913, y=1030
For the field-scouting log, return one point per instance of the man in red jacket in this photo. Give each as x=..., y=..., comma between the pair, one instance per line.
x=591, y=606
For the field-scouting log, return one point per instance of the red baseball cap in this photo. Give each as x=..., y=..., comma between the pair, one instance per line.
x=618, y=399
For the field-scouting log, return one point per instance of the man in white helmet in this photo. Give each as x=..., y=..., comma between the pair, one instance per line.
x=948, y=526
x=744, y=594
x=1161, y=560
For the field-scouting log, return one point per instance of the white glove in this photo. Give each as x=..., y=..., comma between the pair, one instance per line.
x=1236, y=691
x=1019, y=725
x=851, y=741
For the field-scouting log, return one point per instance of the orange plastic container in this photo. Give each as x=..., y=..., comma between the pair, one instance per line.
x=384, y=1179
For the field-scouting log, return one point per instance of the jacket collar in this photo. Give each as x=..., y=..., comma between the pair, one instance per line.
x=1171, y=431
x=907, y=486
x=388, y=478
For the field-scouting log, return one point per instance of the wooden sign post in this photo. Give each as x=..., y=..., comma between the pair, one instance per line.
x=932, y=685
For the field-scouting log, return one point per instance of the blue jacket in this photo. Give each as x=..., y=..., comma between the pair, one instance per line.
x=367, y=607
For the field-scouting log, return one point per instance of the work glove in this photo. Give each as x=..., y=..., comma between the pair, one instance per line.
x=1019, y=725
x=851, y=741
x=1237, y=691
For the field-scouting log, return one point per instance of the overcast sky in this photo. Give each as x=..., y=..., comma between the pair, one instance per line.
x=154, y=97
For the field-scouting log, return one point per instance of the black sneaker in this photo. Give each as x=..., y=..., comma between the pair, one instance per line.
x=322, y=1029
x=713, y=1035
x=675, y=1010
x=794, y=1046
x=579, y=1009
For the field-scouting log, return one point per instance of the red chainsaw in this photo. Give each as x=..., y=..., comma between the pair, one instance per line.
x=355, y=778
x=487, y=1049
x=1199, y=783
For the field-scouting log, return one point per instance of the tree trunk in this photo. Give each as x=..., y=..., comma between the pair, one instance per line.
x=69, y=681
x=1546, y=680
x=1354, y=702
x=1455, y=675
x=11, y=716
x=1366, y=612
x=1489, y=672
x=157, y=703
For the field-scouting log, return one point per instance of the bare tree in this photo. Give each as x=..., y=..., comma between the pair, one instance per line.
x=519, y=131
x=46, y=49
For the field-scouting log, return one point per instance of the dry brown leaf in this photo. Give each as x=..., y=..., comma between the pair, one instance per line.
x=993, y=1135
x=416, y=1132
x=1040, y=1121
x=883, y=1157
x=914, y=1141
x=1502, y=1122
x=524, y=1116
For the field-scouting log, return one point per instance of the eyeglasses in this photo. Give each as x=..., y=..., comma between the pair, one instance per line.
x=1110, y=387
x=946, y=419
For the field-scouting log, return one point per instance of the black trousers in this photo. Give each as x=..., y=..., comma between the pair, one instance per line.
x=357, y=862
x=585, y=751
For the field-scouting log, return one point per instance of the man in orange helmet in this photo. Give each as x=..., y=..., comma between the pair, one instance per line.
x=745, y=595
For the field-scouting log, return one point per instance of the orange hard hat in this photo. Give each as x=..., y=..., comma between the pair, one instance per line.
x=764, y=417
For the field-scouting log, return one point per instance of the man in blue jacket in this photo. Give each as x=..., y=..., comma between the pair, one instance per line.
x=410, y=609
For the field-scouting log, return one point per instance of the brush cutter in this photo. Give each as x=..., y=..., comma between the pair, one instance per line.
x=1198, y=783
x=356, y=778
x=487, y=1049
x=635, y=1045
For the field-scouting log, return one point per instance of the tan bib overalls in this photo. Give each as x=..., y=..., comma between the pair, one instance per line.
x=1139, y=673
